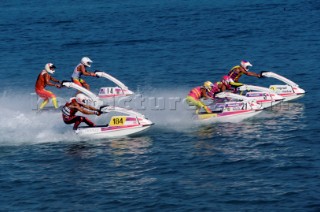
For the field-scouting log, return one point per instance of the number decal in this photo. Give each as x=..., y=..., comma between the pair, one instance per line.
x=265, y=96
x=117, y=121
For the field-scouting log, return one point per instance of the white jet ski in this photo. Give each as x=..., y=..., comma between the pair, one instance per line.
x=121, y=90
x=230, y=107
x=289, y=91
x=128, y=123
x=123, y=122
x=264, y=96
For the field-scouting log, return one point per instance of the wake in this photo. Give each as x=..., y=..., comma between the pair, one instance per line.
x=166, y=108
x=21, y=124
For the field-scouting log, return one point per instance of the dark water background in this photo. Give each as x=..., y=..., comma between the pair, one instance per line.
x=160, y=48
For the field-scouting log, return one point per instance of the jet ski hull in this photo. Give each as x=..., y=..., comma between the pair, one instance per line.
x=101, y=132
x=234, y=116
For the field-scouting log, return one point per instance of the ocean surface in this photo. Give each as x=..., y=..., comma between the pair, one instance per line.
x=160, y=49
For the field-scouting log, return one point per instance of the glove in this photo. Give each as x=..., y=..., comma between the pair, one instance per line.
x=98, y=113
x=261, y=74
x=96, y=74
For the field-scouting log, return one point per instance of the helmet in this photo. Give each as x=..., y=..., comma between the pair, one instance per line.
x=208, y=85
x=50, y=68
x=72, y=98
x=245, y=64
x=86, y=61
x=226, y=80
x=82, y=99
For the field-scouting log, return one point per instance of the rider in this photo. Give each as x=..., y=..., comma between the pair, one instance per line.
x=44, y=79
x=78, y=103
x=215, y=88
x=194, y=96
x=236, y=72
x=229, y=84
x=80, y=70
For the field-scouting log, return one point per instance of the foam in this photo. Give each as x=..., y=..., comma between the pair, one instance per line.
x=19, y=124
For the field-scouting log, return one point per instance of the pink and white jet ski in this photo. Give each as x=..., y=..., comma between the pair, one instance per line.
x=128, y=123
x=273, y=95
x=230, y=107
x=264, y=96
x=123, y=122
x=121, y=90
x=289, y=91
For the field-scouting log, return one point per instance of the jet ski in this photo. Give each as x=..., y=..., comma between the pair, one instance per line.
x=121, y=90
x=289, y=91
x=128, y=123
x=230, y=107
x=264, y=96
x=273, y=95
x=123, y=122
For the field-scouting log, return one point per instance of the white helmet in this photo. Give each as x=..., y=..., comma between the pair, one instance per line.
x=50, y=68
x=86, y=61
x=82, y=99
x=72, y=98
x=245, y=64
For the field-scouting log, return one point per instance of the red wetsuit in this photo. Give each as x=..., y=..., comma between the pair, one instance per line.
x=41, y=83
x=69, y=115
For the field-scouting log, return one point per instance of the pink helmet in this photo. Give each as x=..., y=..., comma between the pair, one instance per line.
x=226, y=80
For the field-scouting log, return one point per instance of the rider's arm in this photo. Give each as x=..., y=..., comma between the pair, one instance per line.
x=54, y=79
x=86, y=73
x=204, y=93
x=90, y=107
x=81, y=109
x=223, y=88
x=47, y=80
x=249, y=73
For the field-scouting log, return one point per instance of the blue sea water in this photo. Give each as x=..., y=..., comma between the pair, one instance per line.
x=160, y=49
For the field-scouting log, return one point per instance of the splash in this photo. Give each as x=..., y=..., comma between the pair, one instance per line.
x=20, y=124
x=166, y=108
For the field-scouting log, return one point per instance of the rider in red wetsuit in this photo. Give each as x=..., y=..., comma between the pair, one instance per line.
x=78, y=104
x=80, y=70
x=236, y=72
x=44, y=79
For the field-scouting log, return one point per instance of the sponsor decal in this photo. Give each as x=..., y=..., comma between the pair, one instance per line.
x=255, y=94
